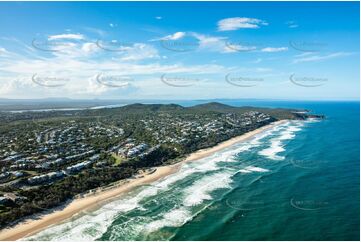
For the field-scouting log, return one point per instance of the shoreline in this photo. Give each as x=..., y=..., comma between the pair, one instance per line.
x=31, y=226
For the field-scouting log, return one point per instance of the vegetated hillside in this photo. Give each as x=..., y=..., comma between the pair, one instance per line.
x=278, y=113
x=212, y=107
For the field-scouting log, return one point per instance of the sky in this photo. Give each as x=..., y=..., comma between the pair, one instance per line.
x=180, y=50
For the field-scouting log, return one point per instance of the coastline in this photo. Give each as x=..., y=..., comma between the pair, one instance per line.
x=32, y=226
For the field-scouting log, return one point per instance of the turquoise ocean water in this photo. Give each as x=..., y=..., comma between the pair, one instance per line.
x=296, y=181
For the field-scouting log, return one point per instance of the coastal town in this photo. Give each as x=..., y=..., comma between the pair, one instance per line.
x=79, y=151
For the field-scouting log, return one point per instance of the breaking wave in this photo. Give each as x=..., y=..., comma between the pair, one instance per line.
x=276, y=146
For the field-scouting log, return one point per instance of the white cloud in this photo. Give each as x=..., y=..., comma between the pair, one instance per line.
x=79, y=70
x=309, y=58
x=274, y=49
x=234, y=47
x=292, y=24
x=140, y=51
x=175, y=36
x=71, y=50
x=66, y=36
x=67, y=46
x=219, y=44
x=99, y=32
x=12, y=87
x=159, y=17
x=90, y=47
x=239, y=23
x=4, y=52
x=211, y=43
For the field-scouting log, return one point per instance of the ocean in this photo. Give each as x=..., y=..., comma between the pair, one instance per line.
x=296, y=181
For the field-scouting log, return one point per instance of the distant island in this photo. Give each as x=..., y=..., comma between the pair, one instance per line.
x=49, y=158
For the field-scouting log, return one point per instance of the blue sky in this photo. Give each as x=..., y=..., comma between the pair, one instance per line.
x=180, y=50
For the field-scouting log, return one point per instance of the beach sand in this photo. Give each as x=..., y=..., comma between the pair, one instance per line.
x=32, y=226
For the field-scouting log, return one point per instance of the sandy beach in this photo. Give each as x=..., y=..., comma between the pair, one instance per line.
x=31, y=226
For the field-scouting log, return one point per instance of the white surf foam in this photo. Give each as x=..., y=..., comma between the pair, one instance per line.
x=276, y=144
x=256, y=140
x=312, y=120
x=256, y=169
x=85, y=228
x=194, y=195
x=250, y=169
x=200, y=190
x=174, y=218
x=271, y=152
x=244, y=171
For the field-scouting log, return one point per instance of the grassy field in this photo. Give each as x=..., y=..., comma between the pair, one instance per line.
x=118, y=159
